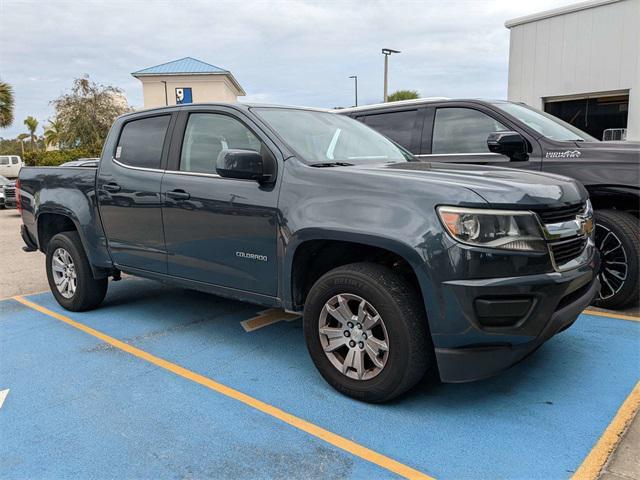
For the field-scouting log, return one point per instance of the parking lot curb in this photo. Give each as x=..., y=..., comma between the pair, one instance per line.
x=296, y=422
x=595, y=461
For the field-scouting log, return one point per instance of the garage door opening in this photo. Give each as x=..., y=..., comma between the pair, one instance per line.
x=600, y=117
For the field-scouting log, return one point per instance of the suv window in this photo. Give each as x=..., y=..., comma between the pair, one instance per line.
x=141, y=142
x=207, y=134
x=462, y=130
x=398, y=126
x=14, y=160
x=4, y=160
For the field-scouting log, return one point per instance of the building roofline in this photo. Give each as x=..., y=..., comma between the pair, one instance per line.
x=576, y=7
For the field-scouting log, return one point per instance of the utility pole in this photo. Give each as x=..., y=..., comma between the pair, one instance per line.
x=386, y=52
x=355, y=77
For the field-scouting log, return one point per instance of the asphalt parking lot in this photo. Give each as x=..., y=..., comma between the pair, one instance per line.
x=163, y=382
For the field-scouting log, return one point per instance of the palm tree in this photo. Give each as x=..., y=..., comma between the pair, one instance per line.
x=32, y=125
x=53, y=133
x=21, y=138
x=6, y=105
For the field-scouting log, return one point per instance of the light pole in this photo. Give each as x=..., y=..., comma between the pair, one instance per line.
x=355, y=77
x=386, y=52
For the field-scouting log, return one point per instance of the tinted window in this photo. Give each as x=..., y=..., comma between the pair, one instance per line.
x=207, y=134
x=4, y=160
x=141, y=142
x=398, y=126
x=14, y=160
x=462, y=130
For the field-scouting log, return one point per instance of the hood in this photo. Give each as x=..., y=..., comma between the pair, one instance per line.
x=500, y=187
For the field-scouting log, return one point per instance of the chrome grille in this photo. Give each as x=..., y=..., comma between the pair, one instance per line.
x=566, y=250
x=9, y=192
x=564, y=229
x=560, y=214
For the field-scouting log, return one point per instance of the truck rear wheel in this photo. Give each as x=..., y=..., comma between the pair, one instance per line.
x=617, y=238
x=69, y=274
x=367, y=333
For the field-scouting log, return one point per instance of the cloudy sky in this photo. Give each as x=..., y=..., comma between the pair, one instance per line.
x=289, y=52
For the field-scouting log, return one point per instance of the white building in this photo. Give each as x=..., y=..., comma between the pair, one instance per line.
x=580, y=63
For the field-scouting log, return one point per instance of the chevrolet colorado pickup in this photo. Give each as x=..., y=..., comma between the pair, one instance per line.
x=398, y=267
x=518, y=136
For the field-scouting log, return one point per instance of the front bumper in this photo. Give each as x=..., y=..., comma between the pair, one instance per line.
x=481, y=349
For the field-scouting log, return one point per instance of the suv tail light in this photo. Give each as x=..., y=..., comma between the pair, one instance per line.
x=18, y=200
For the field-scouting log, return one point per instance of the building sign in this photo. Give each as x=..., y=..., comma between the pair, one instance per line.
x=183, y=95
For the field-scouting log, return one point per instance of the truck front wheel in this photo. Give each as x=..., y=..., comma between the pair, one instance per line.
x=617, y=238
x=69, y=274
x=367, y=333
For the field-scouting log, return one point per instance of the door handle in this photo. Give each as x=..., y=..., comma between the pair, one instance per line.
x=178, y=195
x=111, y=187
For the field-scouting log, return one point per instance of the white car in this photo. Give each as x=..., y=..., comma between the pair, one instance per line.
x=10, y=165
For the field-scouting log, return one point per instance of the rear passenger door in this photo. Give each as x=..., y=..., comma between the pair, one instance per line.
x=220, y=231
x=129, y=194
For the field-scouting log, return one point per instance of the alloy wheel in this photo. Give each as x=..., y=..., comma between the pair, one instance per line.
x=614, y=267
x=64, y=273
x=353, y=336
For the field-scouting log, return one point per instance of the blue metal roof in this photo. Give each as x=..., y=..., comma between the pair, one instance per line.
x=184, y=65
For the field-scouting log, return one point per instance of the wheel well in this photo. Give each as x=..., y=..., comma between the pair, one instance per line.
x=314, y=258
x=616, y=200
x=49, y=225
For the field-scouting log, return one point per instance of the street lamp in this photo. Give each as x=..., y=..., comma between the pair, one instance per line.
x=355, y=77
x=386, y=52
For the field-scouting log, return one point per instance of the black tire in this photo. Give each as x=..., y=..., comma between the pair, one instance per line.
x=625, y=229
x=89, y=291
x=410, y=352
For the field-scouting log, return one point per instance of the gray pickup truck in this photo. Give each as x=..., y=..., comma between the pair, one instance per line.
x=399, y=267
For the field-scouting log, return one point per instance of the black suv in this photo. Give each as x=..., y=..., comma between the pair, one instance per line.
x=515, y=135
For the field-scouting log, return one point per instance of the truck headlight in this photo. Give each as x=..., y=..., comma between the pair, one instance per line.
x=502, y=229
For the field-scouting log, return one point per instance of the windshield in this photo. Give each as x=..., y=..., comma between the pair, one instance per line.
x=545, y=124
x=328, y=138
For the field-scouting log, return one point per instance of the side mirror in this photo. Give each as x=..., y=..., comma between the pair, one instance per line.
x=245, y=164
x=511, y=144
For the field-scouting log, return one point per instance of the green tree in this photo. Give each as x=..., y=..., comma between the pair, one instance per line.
x=32, y=125
x=86, y=113
x=21, y=138
x=6, y=105
x=53, y=134
x=403, y=95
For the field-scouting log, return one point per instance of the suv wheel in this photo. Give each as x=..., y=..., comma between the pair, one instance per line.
x=617, y=237
x=366, y=331
x=69, y=274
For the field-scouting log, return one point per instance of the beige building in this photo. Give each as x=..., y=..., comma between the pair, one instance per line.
x=187, y=81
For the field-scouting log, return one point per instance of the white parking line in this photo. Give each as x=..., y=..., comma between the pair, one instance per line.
x=266, y=318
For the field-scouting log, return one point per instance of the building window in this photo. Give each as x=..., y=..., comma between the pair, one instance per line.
x=592, y=115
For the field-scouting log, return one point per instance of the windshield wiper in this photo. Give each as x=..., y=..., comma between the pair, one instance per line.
x=332, y=164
